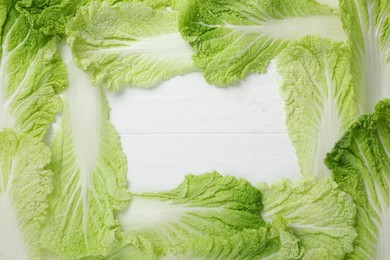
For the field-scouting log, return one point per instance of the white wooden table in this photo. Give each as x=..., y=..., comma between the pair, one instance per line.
x=186, y=126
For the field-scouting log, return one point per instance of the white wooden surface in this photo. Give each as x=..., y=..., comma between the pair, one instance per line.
x=186, y=126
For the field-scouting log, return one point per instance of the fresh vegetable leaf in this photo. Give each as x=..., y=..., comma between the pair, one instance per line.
x=132, y=248
x=158, y=4
x=361, y=166
x=320, y=99
x=24, y=187
x=367, y=23
x=234, y=38
x=128, y=44
x=50, y=16
x=209, y=207
x=5, y=8
x=321, y=215
x=273, y=242
x=31, y=73
x=290, y=246
x=89, y=169
x=207, y=216
x=334, y=4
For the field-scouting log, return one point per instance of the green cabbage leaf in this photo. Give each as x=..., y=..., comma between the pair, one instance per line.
x=207, y=217
x=360, y=162
x=234, y=38
x=50, y=16
x=158, y=4
x=320, y=99
x=321, y=216
x=24, y=187
x=367, y=23
x=31, y=74
x=128, y=44
x=89, y=168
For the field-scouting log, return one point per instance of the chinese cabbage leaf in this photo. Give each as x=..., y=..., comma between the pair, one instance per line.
x=208, y=216
x=31, y=73
x=334, y=4
x=360, y=162
x=89, y=169
x=367, y=23
x=24, y=187
x=50, y=16
x=128, y=44
x=158, y=4
x=319, y=98
x=320, y=215
x=234, y=38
